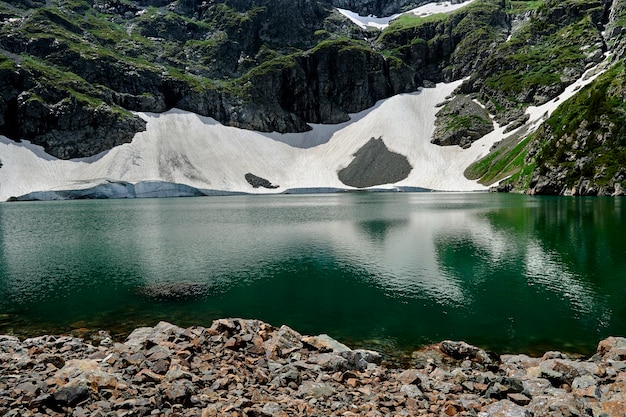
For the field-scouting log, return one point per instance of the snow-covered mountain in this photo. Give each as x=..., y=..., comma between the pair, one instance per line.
x=183, y=154
x=179, y=98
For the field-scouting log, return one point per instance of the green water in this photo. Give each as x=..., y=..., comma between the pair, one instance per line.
x=389, y=271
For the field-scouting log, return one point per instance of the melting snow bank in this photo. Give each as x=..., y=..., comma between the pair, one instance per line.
x=158, y=189
x=181, y=153
x=422, y=11
x=110, y=189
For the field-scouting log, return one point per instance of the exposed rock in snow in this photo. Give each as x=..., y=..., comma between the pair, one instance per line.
x=374, y=164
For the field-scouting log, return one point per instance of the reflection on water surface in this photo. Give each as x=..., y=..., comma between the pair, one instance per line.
x=387, y=271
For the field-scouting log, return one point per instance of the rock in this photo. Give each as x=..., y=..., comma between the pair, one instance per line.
x=410, y=376
x=586, y=386
x=146, y=337
x=271, y=409
x=202, y=374
x=28, y=389
x=75, y=391
x=285, y=341
x=257, y=182
x=411, y=391
x=55, y=360
x=613, y=348
x=359, y=359
x=519, y=399
x=287, y=375
x=558, y=371
x=316, y=389
x=462, y=350
x=330, y=362
x=179, y=391
x=460, y=122
x=374, y=164
x=325, y=343
x=504, y=408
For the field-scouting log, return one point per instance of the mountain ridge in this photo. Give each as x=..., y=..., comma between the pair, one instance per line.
x=74, y=73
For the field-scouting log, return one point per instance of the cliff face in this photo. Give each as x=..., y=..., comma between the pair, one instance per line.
x=73, y=71
x=578, y=150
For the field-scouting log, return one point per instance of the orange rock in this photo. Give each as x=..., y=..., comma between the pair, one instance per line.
x=451, y=410
x=353, y=382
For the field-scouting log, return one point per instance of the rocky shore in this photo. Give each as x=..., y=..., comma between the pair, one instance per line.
x=242, y=368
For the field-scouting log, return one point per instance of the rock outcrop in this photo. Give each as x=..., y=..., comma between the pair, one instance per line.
x=71, y=74
x=256, y=181
x=242, y=367
x=553, y=46
x=460, y=122
x=374, y=164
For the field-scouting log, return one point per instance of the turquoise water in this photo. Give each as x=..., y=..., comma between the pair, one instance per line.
x=389, y=271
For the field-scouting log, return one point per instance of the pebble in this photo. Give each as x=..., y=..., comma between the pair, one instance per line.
x=244, y=368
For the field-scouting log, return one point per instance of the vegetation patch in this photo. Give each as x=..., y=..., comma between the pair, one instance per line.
x=506, y=160
x=460, y=122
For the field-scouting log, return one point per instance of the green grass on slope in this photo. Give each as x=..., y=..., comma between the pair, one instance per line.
x=508, y=159
x=591, y=125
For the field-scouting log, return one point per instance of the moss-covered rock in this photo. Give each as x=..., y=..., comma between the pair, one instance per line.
x=550, y=49
x=460, y=122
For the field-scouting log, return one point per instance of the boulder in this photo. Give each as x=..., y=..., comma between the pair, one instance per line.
x=284, y=341
x=324, y=343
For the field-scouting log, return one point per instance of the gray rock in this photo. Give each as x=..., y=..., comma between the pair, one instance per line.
x=146, y=337
x=504, y=408
x=316, y=389
x=75, y=391
x=285, y=341
x=271, y=409
x=462, y=350
x=325, y=343
x=257, y=182
x=330, y=362
x=559, y=371
x=411, y=391
x=519, y=399
x=179, y=391
x=374, y=164
x=460, y=122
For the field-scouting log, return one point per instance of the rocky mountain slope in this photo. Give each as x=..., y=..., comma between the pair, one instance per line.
x=75, y=73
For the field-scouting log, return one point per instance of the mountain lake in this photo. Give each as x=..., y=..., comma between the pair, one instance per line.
x=385, y=271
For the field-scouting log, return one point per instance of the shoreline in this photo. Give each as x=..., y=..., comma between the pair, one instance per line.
x=240, y=367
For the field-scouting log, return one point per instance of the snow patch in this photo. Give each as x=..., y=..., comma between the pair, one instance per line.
x=422, y=11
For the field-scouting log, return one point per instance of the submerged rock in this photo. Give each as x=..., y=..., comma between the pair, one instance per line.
x=175, y=290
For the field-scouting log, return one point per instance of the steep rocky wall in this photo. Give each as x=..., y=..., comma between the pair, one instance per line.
x=268, y=66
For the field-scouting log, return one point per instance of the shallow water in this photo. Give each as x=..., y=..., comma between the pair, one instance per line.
x=388, y=271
